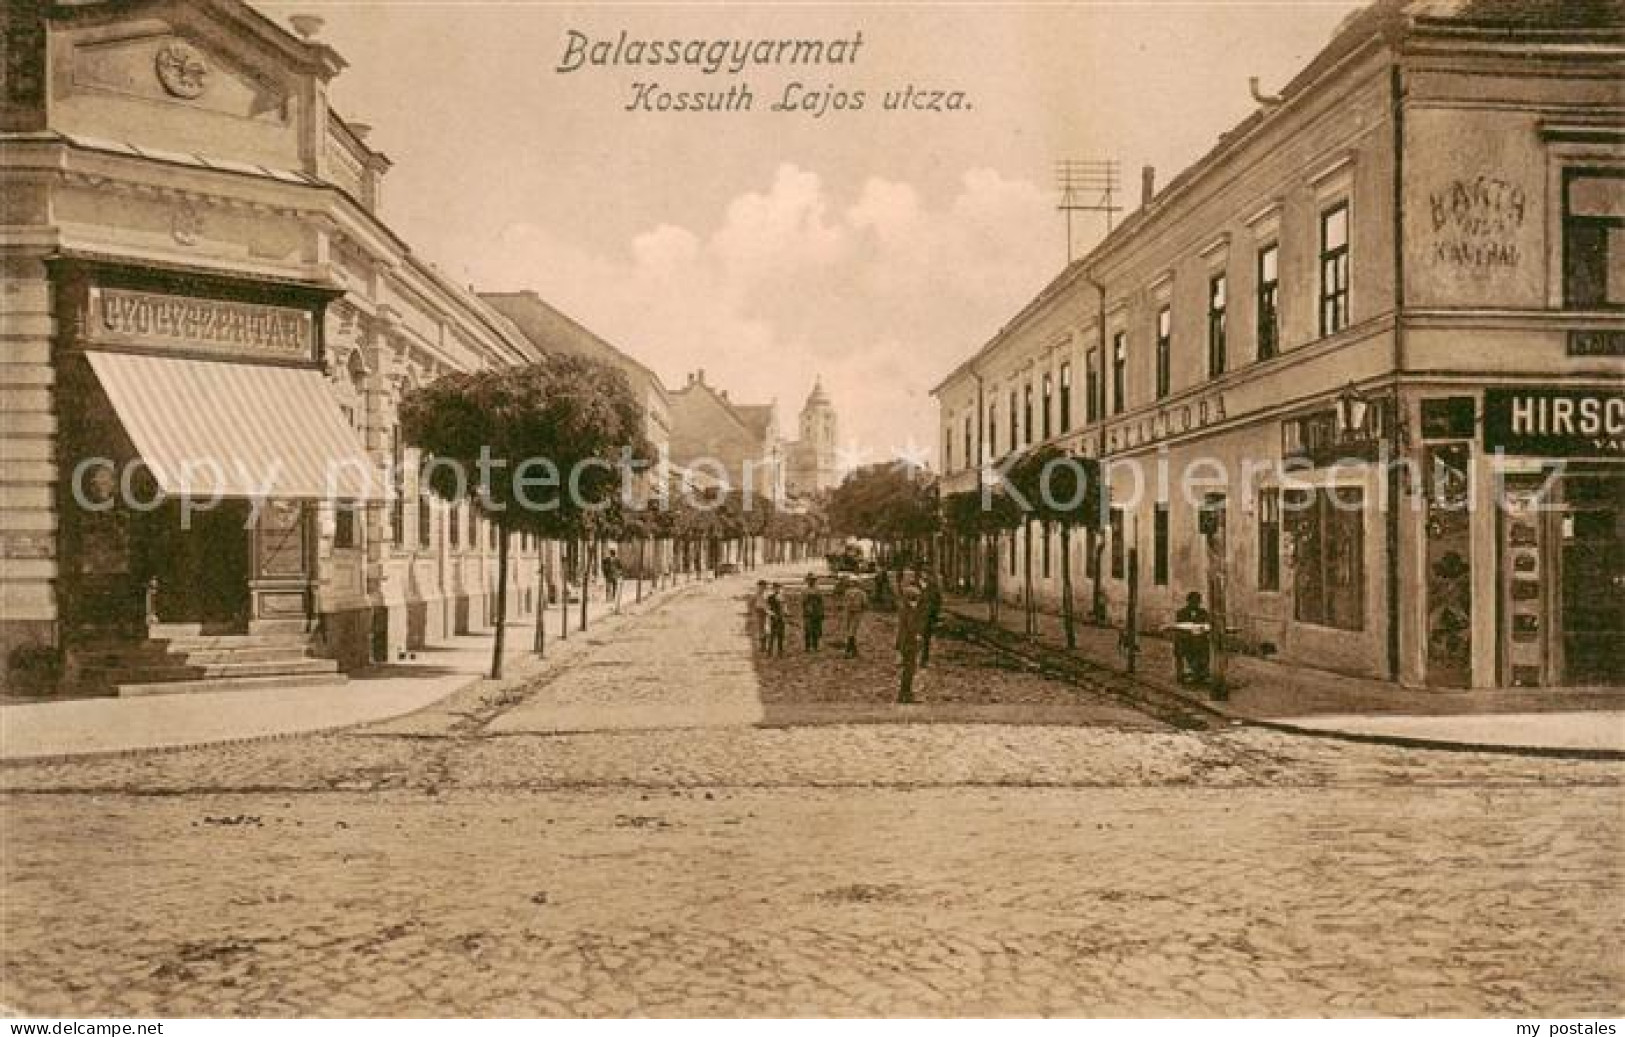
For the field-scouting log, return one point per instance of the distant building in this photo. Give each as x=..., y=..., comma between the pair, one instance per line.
x=711, y=434
x=810, y=460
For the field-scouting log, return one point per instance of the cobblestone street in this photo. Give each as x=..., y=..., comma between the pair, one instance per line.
x=672, y=826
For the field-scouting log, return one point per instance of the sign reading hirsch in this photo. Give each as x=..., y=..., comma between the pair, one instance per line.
x=201, y=325
x=1555, y=422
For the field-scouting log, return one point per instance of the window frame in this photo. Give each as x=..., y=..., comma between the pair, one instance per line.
x=1117, y=522
x=1046, y=402
x=1218, y=332
x=1165, y=350
x=1093, y=384
x=1569, y=175
x=1066, y=396
x=1160, y=537
x=1267, y=297
x=1119, y=372
x=1335, y=269
x=1268, y=577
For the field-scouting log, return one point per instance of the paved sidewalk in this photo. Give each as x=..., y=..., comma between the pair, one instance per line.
x=1581, y=721
x=75, y=727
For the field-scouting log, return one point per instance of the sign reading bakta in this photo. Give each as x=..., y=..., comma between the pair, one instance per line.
x=1555, y=422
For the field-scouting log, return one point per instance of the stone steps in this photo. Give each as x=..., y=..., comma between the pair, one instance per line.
x=285, y=680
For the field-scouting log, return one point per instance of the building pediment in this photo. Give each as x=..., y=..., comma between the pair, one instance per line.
x=180, y=66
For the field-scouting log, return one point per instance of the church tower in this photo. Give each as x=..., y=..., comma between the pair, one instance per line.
x=814, y=452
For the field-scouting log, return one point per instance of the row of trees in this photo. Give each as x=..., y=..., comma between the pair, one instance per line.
x=541, y=449
x=898, y=507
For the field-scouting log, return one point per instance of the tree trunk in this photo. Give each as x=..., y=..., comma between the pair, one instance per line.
x=499, y=642
x=539, y=646
x=565, y=571
x=589, y=561
x=1067, y=618
x=640, y=571
x=1027, y=619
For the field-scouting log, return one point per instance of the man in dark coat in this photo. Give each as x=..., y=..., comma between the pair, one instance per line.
x=812, y=615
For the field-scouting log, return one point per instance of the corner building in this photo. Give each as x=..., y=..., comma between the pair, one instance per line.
x=1413, y=252
x=195, y=268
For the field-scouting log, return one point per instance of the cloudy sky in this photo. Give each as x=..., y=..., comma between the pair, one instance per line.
x=873, y=248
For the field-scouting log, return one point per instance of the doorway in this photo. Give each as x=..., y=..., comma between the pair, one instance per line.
x=202, y=570
x=1593, y=584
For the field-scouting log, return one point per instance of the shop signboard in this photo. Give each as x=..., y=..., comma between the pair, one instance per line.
x=1565, y=423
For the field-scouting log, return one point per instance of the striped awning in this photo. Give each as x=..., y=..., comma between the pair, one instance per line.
x=217, y=429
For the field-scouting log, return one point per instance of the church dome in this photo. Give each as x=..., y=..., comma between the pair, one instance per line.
x=818, y=397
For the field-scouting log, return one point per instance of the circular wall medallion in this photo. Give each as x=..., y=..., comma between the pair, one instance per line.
x=181, y=70
x=186, y=224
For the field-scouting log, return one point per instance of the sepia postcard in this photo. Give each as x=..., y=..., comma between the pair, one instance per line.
x=904, y=509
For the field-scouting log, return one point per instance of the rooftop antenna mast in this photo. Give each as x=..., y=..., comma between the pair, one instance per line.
x=1087, y=185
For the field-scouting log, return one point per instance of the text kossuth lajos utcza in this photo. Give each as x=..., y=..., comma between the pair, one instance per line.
x=712, y=57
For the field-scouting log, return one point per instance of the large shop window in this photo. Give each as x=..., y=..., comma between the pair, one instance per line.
x=1269, y=540
x=1159, y=545
x=1328, y=533
x=1594, y=239
x=1119, y=547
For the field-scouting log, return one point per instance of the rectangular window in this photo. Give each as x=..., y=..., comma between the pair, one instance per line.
x=1027, y=411
x=1119, y=547
x=425, y=520
x=454, y=525
x=1269, y=316
x=1066, y=398
x=1334, y=269
x=397, y=481
x=1049, y=396
x=1217, y=347
x=1165, y=351
x=970, y=453
x=948, y=448
x=1043, y=531
x=1091, y=387
x=1328, y=532
x=1593, y=239
x=1159, y=545
x=1269, y=540
x=1015, y=420
x=992, y=431
x=1119, y=372
x=346, y=526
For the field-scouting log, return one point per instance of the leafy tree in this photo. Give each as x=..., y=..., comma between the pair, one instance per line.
x=1063, y=491
x=890, y=503
x=497, y=434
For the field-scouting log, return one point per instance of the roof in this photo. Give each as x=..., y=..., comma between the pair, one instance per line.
x=758, y=417
x=1383, y=21
x=553, y=331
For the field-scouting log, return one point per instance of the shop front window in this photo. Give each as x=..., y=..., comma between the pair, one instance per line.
x=1328, y=527
x=1269, y=540
x=1119, y=547
x=1159, y=546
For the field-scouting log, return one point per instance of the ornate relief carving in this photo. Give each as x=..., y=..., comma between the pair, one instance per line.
x=186, y=224
x=181, y=70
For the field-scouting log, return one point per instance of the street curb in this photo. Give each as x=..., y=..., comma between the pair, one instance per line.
x=1368, y=738
x=144, y=750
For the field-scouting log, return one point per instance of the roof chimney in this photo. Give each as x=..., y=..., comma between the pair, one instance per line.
x=724, y=394
x=1148, y=185
x=700, y=374
x=691, y=378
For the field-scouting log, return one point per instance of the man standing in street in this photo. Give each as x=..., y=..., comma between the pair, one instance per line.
x=612, y=575
x=758, y=615
x=812, y=615
x=775, y=622
x=931, y=606
x=910, y=620
x=853, y=601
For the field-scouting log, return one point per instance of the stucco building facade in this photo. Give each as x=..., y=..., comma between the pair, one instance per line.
x=195, y=268
x=1410, y=255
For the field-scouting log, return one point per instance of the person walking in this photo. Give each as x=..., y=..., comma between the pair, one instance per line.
x=931, y=606
x=853, y=603
x=612, y=575
x=758, y=615
x=775, y=622
x=812, y=615
x=910, y=620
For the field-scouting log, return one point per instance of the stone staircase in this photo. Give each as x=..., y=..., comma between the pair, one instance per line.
x=179, y=658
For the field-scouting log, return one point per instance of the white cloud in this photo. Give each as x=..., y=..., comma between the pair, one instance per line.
x=880, y=294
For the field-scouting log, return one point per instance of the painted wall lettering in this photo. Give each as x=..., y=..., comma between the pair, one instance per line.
x=1475, y=223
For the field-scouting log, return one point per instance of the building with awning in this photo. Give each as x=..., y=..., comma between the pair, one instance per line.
x=206, y=329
